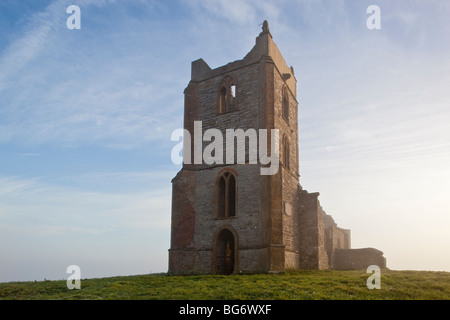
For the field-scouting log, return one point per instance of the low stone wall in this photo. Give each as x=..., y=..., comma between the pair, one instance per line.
x=356, y=259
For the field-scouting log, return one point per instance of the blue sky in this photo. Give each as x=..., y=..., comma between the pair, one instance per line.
x=86, y=118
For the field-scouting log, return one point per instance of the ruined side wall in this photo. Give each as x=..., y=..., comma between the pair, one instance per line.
x=335, y=237
x=312, y=233
x=291, y=221
x=355, y=259
x=323, y=259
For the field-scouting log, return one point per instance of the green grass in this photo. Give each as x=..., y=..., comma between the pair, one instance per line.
x=299, y=285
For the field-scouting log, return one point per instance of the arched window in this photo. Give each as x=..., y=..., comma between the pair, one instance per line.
x=285, y=104
x=286, y=152
x=226, y=195
x=227, y=95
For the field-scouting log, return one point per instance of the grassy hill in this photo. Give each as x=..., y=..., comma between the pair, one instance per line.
x=335, y=285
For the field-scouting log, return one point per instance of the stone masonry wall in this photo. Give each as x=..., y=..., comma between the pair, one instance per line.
x=312, y=233
x=181, y=256
x=247, y=114
x=288, y=128
x=247, y=222
x=356, y=259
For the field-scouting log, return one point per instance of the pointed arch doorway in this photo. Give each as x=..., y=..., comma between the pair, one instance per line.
x=225, y=252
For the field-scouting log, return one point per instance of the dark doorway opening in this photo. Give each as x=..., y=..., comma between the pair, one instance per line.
x=225, y=253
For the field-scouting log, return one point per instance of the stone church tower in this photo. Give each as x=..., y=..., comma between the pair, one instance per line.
x=229, y=218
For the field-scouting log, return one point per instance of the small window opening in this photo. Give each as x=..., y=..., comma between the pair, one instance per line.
x=285, y=104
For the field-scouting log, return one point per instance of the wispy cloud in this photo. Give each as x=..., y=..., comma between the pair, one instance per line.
x=62, y=90
x=13, y=185
x=27, y=47
x=33, y=204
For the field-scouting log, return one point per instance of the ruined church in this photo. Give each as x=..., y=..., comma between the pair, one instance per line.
x=231, y=219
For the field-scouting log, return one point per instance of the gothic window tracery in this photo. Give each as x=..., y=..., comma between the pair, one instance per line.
x=226, y=195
